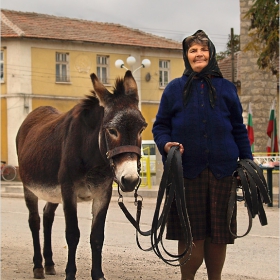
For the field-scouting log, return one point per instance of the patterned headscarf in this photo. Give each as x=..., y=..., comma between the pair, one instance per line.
x=212, y=69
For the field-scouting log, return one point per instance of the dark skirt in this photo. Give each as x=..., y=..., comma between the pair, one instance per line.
x=207, y=202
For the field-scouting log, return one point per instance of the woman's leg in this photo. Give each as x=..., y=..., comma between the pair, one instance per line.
x=188, y=270
x=214, y=255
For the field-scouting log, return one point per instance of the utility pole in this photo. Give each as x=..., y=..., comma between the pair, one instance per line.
x=232, y=53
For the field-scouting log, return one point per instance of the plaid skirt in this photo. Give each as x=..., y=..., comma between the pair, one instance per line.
x=207, y=201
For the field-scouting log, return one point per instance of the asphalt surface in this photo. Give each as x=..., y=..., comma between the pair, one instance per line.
x=254, y=257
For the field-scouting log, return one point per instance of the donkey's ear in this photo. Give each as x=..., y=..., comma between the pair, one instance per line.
x=100, y=90
x=130, y=85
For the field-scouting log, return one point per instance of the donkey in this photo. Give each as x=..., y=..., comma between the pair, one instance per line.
x=75, y=156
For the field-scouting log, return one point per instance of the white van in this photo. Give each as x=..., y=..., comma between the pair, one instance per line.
x=148, y=149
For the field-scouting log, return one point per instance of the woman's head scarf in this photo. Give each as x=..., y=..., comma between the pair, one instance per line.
x=212, y=69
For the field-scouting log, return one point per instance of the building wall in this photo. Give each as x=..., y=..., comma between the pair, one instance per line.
x=258, y=86
x=4, y=138
x=4, y=142
x=149, y=111
x=17, y=82
x=31, y=82
x=151, y=92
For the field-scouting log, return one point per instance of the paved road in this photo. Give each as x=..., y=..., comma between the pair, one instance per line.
x=255, y=257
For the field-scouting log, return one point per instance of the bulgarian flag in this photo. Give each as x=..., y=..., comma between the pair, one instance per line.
x=272, y=143
x=250, y=128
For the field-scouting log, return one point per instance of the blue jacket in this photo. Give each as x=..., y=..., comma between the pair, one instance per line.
x=212, y=137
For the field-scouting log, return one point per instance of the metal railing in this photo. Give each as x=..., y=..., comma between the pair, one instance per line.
x=145, y=172
x=265, y=158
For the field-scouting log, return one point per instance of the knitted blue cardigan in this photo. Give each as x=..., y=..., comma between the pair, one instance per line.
x=212, y=137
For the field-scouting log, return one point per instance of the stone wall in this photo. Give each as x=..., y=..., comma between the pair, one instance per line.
x=257, y=86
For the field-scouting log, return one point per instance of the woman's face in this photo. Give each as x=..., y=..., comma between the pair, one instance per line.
x=198, y=56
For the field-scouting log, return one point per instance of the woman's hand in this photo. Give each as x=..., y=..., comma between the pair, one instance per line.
x=168, y=145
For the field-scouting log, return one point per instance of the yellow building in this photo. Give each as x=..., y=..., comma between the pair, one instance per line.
x=47, y=60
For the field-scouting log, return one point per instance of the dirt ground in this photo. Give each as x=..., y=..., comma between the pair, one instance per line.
x=255, y=257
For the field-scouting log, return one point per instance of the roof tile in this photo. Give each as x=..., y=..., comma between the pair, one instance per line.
x=34, y=25
x=225, y=66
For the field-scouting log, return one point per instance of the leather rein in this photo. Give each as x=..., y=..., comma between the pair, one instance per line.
x=172, y=186
x=254, y=193
x=251, y=182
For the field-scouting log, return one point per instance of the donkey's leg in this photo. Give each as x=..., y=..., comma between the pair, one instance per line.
x=48, y=218
x=72, y=231
x=31, y=201
x=100, y=206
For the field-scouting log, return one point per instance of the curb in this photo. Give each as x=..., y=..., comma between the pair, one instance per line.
x=15, y=190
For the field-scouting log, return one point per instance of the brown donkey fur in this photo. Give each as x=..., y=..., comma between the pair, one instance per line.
x=62, y=159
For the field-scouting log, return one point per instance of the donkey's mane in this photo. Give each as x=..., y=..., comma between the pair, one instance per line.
x=92, y=100
x=119, y=87
x=89, y=101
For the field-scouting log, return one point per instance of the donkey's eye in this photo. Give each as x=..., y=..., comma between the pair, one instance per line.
x=113, y=132
x=140, y=132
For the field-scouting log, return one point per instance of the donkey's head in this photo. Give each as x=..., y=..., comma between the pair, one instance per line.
x=120, y=134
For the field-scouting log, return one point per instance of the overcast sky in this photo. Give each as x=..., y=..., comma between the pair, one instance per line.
x=173, y=19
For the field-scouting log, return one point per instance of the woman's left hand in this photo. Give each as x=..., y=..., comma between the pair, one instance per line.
x=168, y=146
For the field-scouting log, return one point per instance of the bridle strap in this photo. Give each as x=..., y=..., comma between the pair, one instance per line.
x=172, y=186
x=120, y=150
x=123, y=149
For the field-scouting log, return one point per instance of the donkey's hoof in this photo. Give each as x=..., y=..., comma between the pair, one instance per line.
x=70, y=276
x=49, y=270
x=39, y=273
x=100, y=278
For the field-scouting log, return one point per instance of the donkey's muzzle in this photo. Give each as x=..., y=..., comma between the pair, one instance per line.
x=129, y=183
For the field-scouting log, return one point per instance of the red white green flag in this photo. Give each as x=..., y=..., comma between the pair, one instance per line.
x=250, y=128
x=272, y=143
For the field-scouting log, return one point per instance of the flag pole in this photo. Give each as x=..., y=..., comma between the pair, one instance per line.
x=272, y=144
x=250, y=128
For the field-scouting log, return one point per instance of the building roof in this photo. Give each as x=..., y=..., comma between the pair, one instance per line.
x=225, y=66
x=16, y=24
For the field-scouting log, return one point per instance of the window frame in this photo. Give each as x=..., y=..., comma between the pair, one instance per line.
x=62, y=65
x=164, y=72
x=102, y=68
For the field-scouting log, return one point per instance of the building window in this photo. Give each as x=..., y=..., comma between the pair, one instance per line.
x=102, y=68
x=163, y=73
x=2, y=66
x=62, y=67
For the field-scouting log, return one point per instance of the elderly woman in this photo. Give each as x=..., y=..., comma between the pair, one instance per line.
x=201, y=113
